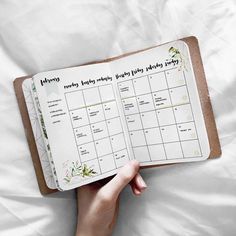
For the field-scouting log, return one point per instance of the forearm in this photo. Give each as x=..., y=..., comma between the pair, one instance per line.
x=98, y=204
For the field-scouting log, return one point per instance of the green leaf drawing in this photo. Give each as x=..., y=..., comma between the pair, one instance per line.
x=176, y=54
x=78, y=170
x=86, y=171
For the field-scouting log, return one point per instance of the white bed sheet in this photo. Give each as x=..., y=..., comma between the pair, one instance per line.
x=187, y=199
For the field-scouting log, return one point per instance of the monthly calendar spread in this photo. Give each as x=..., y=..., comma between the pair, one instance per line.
x=144, y=106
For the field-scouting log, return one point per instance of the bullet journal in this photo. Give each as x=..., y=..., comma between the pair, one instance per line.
x=84, y=123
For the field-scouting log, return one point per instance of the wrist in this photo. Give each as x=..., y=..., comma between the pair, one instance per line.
x=92, y=232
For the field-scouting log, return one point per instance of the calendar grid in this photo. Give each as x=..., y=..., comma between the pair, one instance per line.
x=161, y=143
x=174, y=113
x=100, y=103
x=141, y=121
x=153, y=109
x=157, y=118
x=103, y=138
x=91, y=133
x=193, y=117
x=72, y=127
x=121, y=132
x=107, y=128
x=95, y=121
x=151, y=127
x=185, y=130
x=152, y=91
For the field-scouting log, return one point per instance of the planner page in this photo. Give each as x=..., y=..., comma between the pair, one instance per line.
x=39, y=140
x=161, y=106
x=83, y=127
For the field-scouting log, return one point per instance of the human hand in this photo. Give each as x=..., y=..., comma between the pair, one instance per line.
x=98, y=202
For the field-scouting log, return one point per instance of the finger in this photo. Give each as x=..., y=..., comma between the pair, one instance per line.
x=113, y=188
x=133, y=185
x=137, y=184
x=135, y=190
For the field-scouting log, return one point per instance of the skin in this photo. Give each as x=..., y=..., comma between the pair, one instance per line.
x=98, y=202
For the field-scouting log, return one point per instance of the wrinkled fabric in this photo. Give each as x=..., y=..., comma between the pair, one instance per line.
x=186, y=199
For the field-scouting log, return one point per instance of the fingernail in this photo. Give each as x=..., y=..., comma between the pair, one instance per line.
x=142, y=184
x=137, y=192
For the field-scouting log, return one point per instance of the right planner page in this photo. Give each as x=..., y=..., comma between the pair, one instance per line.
x=160, y=105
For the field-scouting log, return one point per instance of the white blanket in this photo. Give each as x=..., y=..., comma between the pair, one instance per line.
x=187, y=199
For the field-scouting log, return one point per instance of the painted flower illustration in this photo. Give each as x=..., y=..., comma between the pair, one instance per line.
x=78, y=170
x=176, y=54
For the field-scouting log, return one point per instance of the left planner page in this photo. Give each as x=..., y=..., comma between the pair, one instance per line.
x=84, y=130
x=38, y=136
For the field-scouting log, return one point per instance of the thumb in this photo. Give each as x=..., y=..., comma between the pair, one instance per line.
x=113, y=188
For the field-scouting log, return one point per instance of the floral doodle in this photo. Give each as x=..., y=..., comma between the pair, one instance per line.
x=78, y=170
x=176, y=54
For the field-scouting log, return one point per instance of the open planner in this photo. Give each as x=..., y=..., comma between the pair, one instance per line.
x=83, y=123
